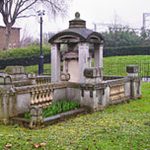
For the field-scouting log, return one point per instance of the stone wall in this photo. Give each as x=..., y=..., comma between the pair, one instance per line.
x=95, y=96
x=98, y=96
x=18, y=100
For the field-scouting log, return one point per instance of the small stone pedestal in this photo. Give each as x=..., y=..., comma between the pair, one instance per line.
x=132, y=70
x=92, y=91
x=36, y=116
x=93, y=75
x=135, y=81
x=6, y=98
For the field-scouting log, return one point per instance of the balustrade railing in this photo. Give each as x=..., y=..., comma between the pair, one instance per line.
x=41, y=97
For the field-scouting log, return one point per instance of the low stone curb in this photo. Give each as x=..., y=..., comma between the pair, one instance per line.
x=48, y=120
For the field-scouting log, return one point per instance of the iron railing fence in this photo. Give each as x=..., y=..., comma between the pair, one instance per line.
x=111, y=69
x=119, y=69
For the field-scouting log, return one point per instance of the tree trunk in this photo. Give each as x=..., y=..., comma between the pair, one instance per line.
x=7, y=37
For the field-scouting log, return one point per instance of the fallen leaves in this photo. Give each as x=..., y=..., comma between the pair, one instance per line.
x=124, y=126
x=8, y=146
x=38, y=145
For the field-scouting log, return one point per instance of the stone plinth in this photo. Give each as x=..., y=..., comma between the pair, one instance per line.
x=132, y=70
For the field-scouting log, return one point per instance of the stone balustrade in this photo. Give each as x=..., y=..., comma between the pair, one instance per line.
x=35, y=93
x=41, y=97
x=43, y=79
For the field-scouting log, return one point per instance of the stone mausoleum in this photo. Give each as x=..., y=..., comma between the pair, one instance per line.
x=78, y=46
x=76, y=74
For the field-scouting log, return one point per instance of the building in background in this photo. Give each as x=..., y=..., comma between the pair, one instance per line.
x=14, y=37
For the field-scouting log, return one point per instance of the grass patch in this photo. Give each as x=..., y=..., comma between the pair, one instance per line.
x=59, y=107
x=56, y=108
x=115, y=65
x=119, y=127
x=34, y=69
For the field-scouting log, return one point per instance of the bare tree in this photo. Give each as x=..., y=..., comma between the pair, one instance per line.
x=14, y=9
x=1, y=4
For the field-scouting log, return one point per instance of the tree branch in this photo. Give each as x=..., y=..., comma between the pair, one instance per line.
x=14, y=9
x=1, y=5
x=25, y=16
x=27, y=7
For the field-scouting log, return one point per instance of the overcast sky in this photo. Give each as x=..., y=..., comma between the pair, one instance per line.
x=127, y=12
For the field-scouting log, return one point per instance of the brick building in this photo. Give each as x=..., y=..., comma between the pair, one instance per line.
x=14, y=38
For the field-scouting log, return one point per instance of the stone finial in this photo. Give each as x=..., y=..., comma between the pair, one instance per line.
x=77, y=22
x=77, y=15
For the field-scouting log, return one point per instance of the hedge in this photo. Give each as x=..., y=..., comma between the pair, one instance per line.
x=30, y=56
x=128, y=50
x=25, y=56
x=32, y=50
x=26, y=61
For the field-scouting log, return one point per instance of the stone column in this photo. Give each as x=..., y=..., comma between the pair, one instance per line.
x=98, y=56
x=132, y=70
x=135, y=81
x=55, y=63
x=83, y=49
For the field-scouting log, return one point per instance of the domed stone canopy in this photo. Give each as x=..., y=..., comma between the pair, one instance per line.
x=74, y=49
x=77, y=32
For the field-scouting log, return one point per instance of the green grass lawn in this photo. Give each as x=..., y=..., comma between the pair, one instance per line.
x=34, y=69
x=115, y=65
x=119, y=127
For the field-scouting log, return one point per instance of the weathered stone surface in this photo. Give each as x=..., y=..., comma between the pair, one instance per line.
x=55, y=63
x=72, y=68
x=5, y=79
x=65, y=76
x=77, y=30
x=60, y=94
x=22, y=103
x=117, y=92
x=83, y=59
x=15, y=70
x=36, y=116
x=92, y=72
x=74, y=94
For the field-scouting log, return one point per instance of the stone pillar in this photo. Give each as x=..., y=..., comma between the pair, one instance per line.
x=135, y=81
x=105, y=97
x=36, y=116
x=98, y=56
x=84, y=56
x=95, y=96
x=55, y=63
x=132, y=70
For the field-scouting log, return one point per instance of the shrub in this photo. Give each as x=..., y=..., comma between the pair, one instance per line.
x=30, y=55
x=59, y=107
x=23, y=56
x=24, y=61
x=127, y=50
x=25, y=52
